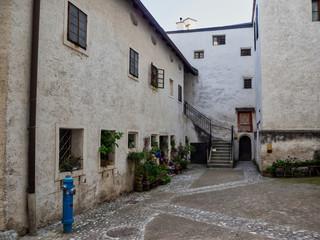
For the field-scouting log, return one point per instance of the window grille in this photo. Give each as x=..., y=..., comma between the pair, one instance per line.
x=65, y=144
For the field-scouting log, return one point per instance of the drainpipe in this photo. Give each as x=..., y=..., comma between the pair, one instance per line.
x=32, y=216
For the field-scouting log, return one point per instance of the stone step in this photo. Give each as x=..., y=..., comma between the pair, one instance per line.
x=218, y=165
x=219, y=161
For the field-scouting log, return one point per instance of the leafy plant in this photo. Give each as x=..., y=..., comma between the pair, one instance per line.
x=166, y=178
x=108, y=141
x=271, y=169
x=70, y=164
x=131, y=143
x=173, y=145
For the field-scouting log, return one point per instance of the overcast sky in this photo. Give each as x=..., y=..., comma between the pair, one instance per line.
x=208, y=13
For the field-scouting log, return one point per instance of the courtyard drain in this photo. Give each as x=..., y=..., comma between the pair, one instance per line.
x=122, y=232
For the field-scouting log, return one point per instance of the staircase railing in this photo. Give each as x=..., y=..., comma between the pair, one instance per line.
x=199, y=119
x=205, y=124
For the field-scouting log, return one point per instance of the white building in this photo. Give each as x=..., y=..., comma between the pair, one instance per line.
x=94, y=74
x=224, y=90
x=287, y=78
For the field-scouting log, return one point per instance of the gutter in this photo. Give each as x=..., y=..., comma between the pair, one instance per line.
x=32, y=219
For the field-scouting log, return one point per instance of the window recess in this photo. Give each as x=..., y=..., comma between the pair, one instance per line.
x=157, y=77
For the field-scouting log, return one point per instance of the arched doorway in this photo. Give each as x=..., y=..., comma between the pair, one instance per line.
x=245, y=149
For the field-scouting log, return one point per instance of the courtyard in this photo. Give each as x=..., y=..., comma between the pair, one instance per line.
x=204, y=203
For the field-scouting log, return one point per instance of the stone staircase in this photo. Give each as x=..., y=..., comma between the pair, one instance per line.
x=220, y=156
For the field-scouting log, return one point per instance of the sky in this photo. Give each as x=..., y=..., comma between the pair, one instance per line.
x=208, y=13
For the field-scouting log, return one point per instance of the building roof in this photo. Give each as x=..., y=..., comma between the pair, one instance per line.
x=243, y=25
x=153, y=23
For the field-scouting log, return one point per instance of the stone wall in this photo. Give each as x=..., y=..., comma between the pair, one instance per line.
x=299, y=144
x=5, y=19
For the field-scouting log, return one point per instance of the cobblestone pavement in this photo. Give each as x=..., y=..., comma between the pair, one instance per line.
x=205, y=204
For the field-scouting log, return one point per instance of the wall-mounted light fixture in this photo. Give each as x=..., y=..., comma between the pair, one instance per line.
x=269, y=148
x=235, y=136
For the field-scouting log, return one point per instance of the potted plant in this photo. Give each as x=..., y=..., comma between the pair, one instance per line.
x=108, y=141
x=70, y=164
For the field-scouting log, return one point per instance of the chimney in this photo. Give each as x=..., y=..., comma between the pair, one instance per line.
x=186, y=24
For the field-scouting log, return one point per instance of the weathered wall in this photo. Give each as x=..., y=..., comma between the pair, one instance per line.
x=5, y=19
x=218, y=90
x=290, y=67
x=299, y=144
x=290, y=74
x=17, y=116
x=219, y=87
x=91, y=90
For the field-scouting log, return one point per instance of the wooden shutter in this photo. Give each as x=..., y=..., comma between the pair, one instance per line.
x=245, y=121
x=160, y=78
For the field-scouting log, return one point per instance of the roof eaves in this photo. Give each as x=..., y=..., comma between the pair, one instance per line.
x=147, y=15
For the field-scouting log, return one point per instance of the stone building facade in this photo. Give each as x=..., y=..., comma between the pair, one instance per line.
x=94, y=74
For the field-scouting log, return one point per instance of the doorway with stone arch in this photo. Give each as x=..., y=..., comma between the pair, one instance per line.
x=245, y=149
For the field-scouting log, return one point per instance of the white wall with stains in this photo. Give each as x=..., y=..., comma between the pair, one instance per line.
x=219, y=88
x=89, y=90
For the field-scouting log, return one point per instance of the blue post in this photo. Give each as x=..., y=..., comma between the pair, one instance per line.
x=68, y=192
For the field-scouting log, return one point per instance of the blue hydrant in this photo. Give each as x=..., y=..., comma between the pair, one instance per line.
x=68, y=192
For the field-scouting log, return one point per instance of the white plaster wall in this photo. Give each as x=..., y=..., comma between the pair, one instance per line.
x=91, y=90
x=218, y=89
x=5, y=19
x=290, y=65
x=17, y=116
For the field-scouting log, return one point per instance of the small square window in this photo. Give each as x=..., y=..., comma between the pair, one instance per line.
x=108, y=144
x=132, y=140
x=246, y=52
x=315, y=10
x=219, y=40
x=247, y=83
x=77, y=26
x=198, y=54
x=70, y=149
x=179, y=93
x=134, y=63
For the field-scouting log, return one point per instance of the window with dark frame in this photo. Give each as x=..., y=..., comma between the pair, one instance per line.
x=134, y=63
x=157, y=77
x=247, y=83
x=179, y=93
x=246, y=52
x=77, y=26
x=219, y=40
x=315, y=10
x=198, y=54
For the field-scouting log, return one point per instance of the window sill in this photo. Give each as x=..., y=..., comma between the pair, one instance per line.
x=133, y=77
x=73, y=174
x=154, y=89
x=108, y=168
x=172, y=97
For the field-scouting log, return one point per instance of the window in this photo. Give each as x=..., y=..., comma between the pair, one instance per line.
x=77, y=26
x=219, y=40
x=245, y=121
x=247, y=83
x=179, y=93
x=132, y=140
x=70, y=149
x=246, y=52
x=315, y=10
x=171, y=87
x=198, y=54
x=108, y=143
x=134, y=63
x=157, y=77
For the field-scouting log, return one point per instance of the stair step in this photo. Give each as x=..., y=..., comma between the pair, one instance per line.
x=211, y=165
x=219, y=161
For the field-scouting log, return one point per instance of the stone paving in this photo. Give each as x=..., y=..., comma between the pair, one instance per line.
x=205, y=204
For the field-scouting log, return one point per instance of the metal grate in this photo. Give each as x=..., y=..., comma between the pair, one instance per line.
x=64, y=144
x=247, y=83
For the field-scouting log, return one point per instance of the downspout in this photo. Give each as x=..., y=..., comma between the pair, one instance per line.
x=32, y=216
